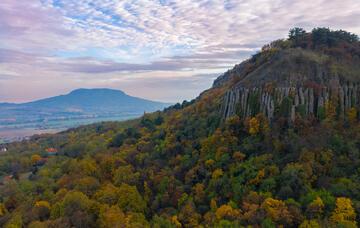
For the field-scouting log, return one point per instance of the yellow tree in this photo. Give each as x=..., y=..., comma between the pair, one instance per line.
x=259, y=177
x=213, y=205
x=42, y=203
x=227, y=212
x=315, y=208
x=254, y=126
x=277, y=211
x=3, y=210
x=175, y=221
x=330, y=110
x=352, y=114
x=136, y=220
x=199, y=193
x=112, y=217
x=310, y=224
x=217, y=173
x=209, y=163
x=35, y=158
x=344, y=212
x=42, y=209
x=188, y=215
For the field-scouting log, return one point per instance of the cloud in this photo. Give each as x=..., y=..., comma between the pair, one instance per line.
x=27, y=25
x=216, y=60
x=100, y=42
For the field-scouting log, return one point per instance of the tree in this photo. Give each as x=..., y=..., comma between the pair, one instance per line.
x=136, y=220
x=42, y=209
x=199, y=193
x=38, y=224
x=35, y=159
x=227, y=212
x=130, y=199
x=3, y=210
x=344, y=212
x=328, y=38
x=16, y=221
x=277, y=211
x=217, y=173
x=315, y=208
x=188, y=215
x=259, y=177
x=125, y=174
x=112, y=217
x=296, y=33
x=352, y=115
x=76, y=206
x=254, y=126
x=310, y=224
x=88, y=185
x=320, y=36
x=107, y=194
x=161, y=222
x=117, y=140
x=175, y=221
x=213, y=205
x=330, y=110
x=74, y=201
x=238, y=156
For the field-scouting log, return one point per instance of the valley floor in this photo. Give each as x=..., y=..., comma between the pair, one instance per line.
x=18, y=132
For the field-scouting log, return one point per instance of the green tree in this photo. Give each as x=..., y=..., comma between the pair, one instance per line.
x=130, y=199
x=297, y=35
x=125, y=174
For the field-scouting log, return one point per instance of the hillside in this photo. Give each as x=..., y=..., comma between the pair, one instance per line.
x=253, y=150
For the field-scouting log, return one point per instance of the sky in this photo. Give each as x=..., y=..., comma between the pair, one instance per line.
x=162, y=50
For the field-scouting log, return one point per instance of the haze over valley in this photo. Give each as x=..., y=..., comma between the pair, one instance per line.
x=79, y=107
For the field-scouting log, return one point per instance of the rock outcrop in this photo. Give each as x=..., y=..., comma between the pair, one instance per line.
x=288, y=101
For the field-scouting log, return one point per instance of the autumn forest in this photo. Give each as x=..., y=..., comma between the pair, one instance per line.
x=233, y=157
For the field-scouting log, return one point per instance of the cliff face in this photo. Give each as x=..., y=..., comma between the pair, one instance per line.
x=284, y=80
x=289, y=101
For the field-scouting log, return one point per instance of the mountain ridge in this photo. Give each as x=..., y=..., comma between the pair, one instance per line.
x=75, y=108
x=81, y=91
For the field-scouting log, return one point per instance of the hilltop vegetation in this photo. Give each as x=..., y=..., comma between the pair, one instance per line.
x=318, y=56
x=189, y=167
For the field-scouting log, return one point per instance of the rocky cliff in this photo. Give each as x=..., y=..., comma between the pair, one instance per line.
x=289, y=101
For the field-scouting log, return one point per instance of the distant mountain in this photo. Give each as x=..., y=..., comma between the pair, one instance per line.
x=98, y=101
x=78, y=104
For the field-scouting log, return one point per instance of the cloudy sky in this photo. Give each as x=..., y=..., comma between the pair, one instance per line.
x=161, y=50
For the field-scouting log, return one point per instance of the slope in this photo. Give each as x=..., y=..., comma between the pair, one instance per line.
x=189, y=166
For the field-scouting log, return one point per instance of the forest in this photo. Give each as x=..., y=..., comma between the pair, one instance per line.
x=188, y=166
